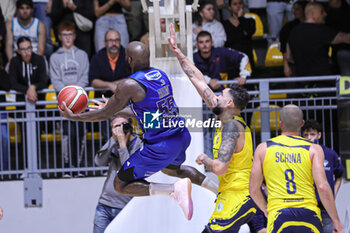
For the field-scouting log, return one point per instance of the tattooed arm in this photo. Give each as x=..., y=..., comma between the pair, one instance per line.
x=230, y=136
x=195, y=76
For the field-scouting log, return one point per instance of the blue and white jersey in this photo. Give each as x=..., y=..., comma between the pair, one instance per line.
x=32, y=32
x=158, y=107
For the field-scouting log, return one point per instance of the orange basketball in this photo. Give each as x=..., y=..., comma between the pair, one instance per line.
x=75, y=97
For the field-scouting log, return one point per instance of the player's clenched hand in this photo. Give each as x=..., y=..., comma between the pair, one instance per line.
x=172, y=38
x=99, y=105
x=338, y=226
x=200, y=158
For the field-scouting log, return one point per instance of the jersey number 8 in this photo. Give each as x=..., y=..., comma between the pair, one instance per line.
x=289, y=175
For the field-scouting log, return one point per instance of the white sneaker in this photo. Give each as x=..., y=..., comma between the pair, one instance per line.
x=182, y=195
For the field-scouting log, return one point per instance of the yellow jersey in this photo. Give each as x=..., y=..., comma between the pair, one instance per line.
x=238, y=172
x=287, y=170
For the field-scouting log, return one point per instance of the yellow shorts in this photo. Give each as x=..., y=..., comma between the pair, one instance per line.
x=233, y=209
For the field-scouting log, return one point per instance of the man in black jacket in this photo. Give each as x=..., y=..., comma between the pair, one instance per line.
x=27, y=70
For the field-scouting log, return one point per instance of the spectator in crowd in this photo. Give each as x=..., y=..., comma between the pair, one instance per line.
x=39, y=12
x=4, y=140
x=136, y=20
x=2, y=39
x=8, y=9
x=66, y=10
x=309, y=42
x=206, y=22
x=110, y=16
x=239, y=30
x=220, y=63
x=276, y=10
x=25, y=25
x=114, y=153
x=299, y=16
x=28, y=70
x=332, y=166
x=1, y=213
x=69, y=65
x=338, y=17
x=108, y=65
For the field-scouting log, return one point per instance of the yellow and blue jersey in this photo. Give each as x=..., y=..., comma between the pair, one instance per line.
x=238, y=172
x=287, y=170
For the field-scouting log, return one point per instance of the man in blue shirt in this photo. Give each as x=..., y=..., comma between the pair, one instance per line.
x=332, y=165
x=220, y=63
x=148, y=91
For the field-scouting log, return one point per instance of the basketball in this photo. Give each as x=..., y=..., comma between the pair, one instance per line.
x=75, y=97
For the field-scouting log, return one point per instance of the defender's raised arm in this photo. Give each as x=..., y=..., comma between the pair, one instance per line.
x=195, y=76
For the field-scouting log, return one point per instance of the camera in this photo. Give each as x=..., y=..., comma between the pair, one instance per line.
x=127, y=128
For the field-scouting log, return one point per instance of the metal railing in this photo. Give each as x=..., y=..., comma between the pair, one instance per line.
x=37, y=142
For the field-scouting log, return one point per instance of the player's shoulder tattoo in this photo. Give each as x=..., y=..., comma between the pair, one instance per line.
x=230, y=136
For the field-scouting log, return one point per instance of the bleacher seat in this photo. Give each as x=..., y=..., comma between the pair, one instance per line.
x=259, y=32
x=51, y=96
x=274, y=57
x=14, y=132
x=255, y=123
x=9, y=107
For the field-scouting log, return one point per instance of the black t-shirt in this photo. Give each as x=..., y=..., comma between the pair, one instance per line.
x=309, y=44
x=116, y=8
x=240, y=38
x=285, y=31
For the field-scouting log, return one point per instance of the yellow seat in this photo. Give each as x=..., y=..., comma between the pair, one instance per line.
x=255, y=57
x=95, y=136
x=278, y=96
x=91, y=95
x=14, y=132
x=50, y=137
x=51, y=96
x=259, y=28
x=255, y=123
x=53, y=38
x=274, y=56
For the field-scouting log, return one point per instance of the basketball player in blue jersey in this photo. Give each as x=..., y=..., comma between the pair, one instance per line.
x=290, y=165
x=149, y=91
x=232, y=150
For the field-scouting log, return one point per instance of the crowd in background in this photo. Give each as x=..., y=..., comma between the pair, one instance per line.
x=306, y=30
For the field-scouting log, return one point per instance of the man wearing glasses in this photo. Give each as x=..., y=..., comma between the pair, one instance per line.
x=27, y=71
x=108, y=65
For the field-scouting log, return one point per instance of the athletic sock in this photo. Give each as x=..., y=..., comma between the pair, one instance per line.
x=160, y=189
x=210, y=184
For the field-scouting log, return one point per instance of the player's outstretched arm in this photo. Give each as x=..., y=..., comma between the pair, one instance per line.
x=256, y=178
x=195, y=76
x=127, y=89
x=323, y=188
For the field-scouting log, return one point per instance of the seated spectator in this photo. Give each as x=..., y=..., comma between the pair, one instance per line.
x=206, y=22
x=309, y=42
x=299, y=16
x=114, y=153
x=338, y=17
x=239, y=30
x=25, y=25
x=108, y=65
x=276, y=11
x=220, y=63
x=40, y=13
x=27, y=70
x=312, y=131
x=69, y=65
x=63, y=10
x=110, y=16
